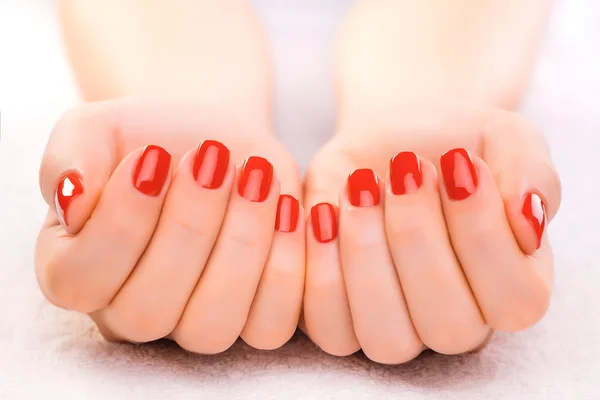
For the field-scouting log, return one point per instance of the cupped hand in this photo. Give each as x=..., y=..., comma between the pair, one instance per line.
x=158, y=228
x=442, y=209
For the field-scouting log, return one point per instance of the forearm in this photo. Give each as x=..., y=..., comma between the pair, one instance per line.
x=206, y=51
x=480, y=51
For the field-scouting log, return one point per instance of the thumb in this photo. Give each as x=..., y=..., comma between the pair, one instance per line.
x=79, y=159
x=518, y=156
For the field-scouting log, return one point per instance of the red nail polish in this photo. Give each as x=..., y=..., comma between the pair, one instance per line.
x=535, y=212
x=324, y=222
x=363, y=188
x=460, y=176
x=151, y=170
x=255, y=182
x=210, y=164
x=288, y=209
x=68, y=189
x=405, y=173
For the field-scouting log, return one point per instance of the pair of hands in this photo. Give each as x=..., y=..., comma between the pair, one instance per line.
x=424, y=254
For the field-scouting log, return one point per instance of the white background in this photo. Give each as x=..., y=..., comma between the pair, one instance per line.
x=48, y=353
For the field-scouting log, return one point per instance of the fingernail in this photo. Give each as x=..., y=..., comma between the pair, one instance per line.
x=68, y=189
x=288, y=209
x=210, y=164
x=535, y=212
x=363, y=188
x=324, y=222
x=460, y=176
x=405, y=173
x=151, y=170
x=255, y=182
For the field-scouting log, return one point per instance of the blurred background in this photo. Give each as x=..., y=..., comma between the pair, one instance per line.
x=44, y=351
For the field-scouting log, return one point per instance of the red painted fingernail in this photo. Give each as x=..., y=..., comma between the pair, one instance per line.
x=405, y=173
x=68, y=189
x=460, y=176
x=324, y=222
x=288, y=209
x=151, y=170
x=210, y=164
x=363, y=188
x=535, y=212
x=255, y=182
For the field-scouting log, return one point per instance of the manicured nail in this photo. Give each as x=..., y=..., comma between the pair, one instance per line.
x=210, y=164
x=324, y=222
x=535, y=212
x=288, y=209
x=363, y=188
x=151, y=170
x=460, y=176
x=255, y=182
x=68, y=189
x=405, y=173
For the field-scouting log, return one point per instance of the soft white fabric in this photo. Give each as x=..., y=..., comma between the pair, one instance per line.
x=46, y=353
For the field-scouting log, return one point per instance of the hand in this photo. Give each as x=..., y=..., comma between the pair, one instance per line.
x=166, y=240
x=428, y=253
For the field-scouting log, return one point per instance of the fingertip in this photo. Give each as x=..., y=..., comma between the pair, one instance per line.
x=526, y=214
x=526, y=206
x=257, y=180
x=80, y=146
x=209, y=166
x=324, y=221
x=289, y=214
x=73, y=201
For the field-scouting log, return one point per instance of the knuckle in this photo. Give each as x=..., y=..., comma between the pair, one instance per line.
x=393, y=352
x=456, y=338
x=267, y=329
x=364, y=241
x=530, y=313
x=521, y=314
x=105, y=331
x=341, y=348
x=331, y=337
x=190, y=228
x=288, y=274
x=242, y=240
x=131, y=234
x=202, y=341
x=408, y=232
x=481, y=233
x=139, y=326
x=262, y=339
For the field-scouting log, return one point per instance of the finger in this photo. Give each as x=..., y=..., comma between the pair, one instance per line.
x=275, y=311
x=326, y=310
x=84, y=272
x=442, y=307
x=150, y=303
x=511, y=288
x=89, y=141
x=218, y=307
x=526, y=177
x=379, y=313
x=79, y=159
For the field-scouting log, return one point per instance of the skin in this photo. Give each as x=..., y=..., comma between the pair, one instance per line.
x=463, y=268
x=416, y=271
x=181, y=254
